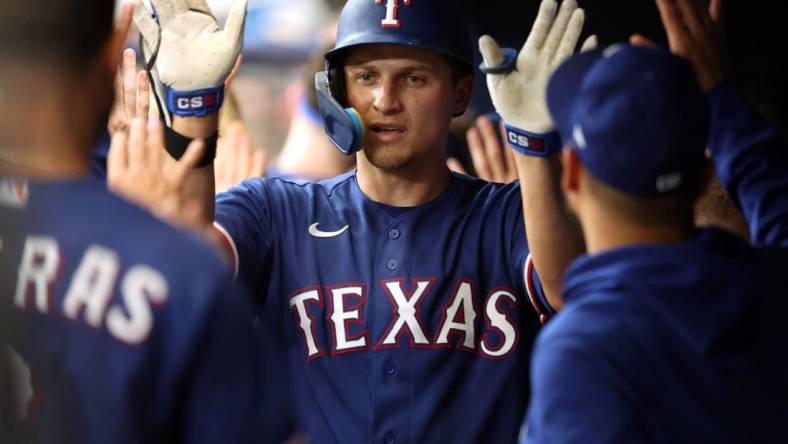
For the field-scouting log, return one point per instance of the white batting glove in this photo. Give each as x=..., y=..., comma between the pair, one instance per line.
x=187, y=54
x=518, y=82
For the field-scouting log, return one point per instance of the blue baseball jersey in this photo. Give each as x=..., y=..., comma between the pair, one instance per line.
x=400, y=324
x=118, y=327
x=679, y=343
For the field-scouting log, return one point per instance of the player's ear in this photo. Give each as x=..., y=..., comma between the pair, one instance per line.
x=462, y=96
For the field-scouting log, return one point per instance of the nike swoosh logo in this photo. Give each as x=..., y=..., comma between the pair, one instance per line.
x=318, y=233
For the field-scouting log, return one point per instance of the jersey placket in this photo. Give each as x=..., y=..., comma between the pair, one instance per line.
x=390, y=366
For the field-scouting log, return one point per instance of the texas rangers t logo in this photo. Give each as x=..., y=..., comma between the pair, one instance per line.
x=391, y=20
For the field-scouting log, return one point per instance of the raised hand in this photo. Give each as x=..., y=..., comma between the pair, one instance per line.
x=491, y=159
x=139, y=170
x=132, y=94
x=519, y=95
x=189, y=55
x=695, y=31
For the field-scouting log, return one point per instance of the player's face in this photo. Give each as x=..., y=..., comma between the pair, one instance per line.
x=406, y=97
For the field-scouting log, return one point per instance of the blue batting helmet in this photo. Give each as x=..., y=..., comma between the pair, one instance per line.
x=434, y=25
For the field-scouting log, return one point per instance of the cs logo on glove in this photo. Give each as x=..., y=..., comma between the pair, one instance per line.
x=195, y=103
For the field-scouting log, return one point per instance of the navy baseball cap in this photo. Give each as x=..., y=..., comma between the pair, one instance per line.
x=636, y=117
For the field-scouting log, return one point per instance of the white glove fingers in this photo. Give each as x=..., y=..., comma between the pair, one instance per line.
x=559, y=28
x=589, y=44
x=541, y=26
x=164, y=10
x=570, y=38
x=200, y=5
x=144, y=21
x=491, y=51
x=234, y=26
x=180, y=6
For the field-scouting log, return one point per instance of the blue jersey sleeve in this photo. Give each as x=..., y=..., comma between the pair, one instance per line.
x=243, y=219
x=577, y=398
x=752, y=162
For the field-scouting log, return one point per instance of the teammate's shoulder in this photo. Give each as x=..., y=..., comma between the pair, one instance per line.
x=134, y=232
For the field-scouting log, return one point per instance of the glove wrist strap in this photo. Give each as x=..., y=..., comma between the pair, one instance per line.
x=176, y=144
x=195, y=103
x=533, y=144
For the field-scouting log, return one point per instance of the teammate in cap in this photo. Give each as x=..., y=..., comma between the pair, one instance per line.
x=401, y=286
x=114, y=327
x=669, y=333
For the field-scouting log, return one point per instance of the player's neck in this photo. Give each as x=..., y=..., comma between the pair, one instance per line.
x=44, y=137
x=604, y=231
x=403, y=187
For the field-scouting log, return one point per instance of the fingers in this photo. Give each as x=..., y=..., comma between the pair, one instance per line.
x=137, y=147
x=570, y=38
x=455, y=166
x=691, y=16
x=491, y=52
x=559, y=26
x=116, y=158
x=143, y=95
x=590, y=44
x=675, y=29
x=155, y=144
x=180, y=6
x=236, y=17
x=641, y=40
x=145, y=22
x=478, y=156
x=717, y=11
x=164, y=10
x=200, y=5
x=129, y=72
x=492, y=149
x=541, y=27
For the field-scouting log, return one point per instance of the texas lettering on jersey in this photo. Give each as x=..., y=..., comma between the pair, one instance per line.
x=344, y=304
x=89, y=295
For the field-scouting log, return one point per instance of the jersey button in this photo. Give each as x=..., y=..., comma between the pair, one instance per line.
x=394, y=234
x=390, y=438
x=389, y=368
x=392, y=264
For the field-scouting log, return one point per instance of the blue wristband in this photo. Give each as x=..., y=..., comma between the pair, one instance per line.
x=533, y=144
x=198, y=102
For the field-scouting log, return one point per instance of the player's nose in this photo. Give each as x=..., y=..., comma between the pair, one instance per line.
x=386, y=98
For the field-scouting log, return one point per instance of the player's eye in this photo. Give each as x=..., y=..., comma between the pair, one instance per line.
x=414, y=80
x=365, y=78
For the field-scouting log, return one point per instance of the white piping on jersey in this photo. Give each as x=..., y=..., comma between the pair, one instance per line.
x=230, y=241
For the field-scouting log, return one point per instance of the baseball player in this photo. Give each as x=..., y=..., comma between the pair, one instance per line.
x=114, y=327
x=403, y=285
x=669, y=333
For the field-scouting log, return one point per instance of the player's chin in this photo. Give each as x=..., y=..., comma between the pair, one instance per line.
x=388, y=156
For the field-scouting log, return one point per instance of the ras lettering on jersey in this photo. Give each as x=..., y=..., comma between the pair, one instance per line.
x=392, y=18
x=89, y=296
x=458, y=328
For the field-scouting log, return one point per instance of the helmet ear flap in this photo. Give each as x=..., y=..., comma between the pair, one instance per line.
x=336, y=82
